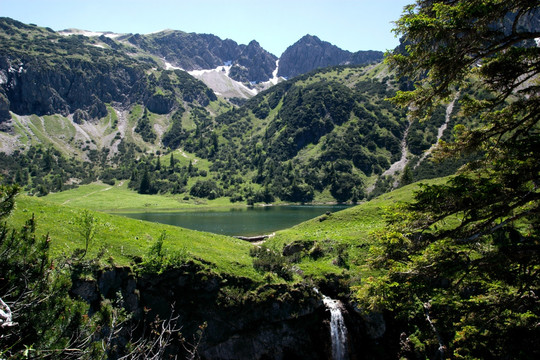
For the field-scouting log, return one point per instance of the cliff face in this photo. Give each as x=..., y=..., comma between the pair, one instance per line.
x=240, y=320
x=253, y=64
x=31, y=88
x=43, y=73
x=191, y=51
x=311, y=53
x=271, y=322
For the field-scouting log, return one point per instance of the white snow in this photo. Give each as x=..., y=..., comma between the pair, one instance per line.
x=219, y=81
x=274, y=80
x=88, y=33
x=169, y=66
x=537, y=41
x=222, y=68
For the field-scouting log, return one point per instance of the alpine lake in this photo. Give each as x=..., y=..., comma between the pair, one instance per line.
x=249, y=221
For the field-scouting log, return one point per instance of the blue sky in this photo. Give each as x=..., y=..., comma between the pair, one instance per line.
x=276, y=24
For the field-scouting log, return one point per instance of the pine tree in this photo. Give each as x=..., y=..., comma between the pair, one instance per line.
x=462, y=262
x=145, y=186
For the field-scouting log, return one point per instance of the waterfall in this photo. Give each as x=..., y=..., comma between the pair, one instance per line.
x=338, y=330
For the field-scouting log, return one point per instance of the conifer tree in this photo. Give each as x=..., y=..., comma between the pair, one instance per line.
x=462, y=262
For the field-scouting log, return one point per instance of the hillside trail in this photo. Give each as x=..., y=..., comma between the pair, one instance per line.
x=86, y=195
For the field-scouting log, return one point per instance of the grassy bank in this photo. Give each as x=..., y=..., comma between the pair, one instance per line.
x=124, y=239
x=339, y=242
x=332, y=244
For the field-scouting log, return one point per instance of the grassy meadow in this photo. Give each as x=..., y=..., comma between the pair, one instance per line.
x=124, y=239
x=119, y=197
x=344, y=234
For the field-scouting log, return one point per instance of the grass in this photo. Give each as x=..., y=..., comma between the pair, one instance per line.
x=120, y=198
x=123, y=239
x=347, y=229
x=345, y=232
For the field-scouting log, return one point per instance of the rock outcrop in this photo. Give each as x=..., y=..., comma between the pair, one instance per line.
x=70, y=74
x=311, y=53
x=191, y=51
x=268, y=322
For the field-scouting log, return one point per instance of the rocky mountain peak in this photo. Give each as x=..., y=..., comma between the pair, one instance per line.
x=311, y=53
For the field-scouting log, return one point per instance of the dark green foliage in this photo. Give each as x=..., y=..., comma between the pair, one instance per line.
x=345, y=187
x=145, y=186
x=48, y=321
x=297, y=192
x=267, y=260
x=356, y=125
x=308, y=113
x=461, y=262
x=205, y=189
x=144, y=128
x=174, y=137
x=40, y=170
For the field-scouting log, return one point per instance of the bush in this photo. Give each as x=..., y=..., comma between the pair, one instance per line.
x=206, y=189
x=267, y=260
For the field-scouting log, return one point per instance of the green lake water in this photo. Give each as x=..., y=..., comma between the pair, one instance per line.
x=239, y=221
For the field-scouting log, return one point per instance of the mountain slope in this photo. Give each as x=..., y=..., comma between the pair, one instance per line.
x=191, y=51
x=78, y=109
x=44, y=73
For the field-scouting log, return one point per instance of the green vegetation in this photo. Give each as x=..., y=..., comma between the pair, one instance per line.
x=50, y=251
x=318, y=247
x=460, y=263
x=124, y=240
x=323, y=136
x=453, y=263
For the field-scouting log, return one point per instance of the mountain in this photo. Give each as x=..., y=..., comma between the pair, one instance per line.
x=231, y=69
x=45, y=73
x=111, y=107
x=190, y=51
x=311, y=53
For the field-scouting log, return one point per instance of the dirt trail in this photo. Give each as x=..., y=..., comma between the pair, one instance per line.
x=91, y=193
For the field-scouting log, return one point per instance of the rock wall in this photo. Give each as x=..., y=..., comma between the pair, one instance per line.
x=270, y=322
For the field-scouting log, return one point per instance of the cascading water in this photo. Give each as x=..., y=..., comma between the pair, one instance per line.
x=338, y=330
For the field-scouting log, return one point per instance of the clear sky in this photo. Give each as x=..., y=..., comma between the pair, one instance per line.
x=276, y=24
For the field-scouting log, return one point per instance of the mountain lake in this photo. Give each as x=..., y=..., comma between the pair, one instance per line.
x=250, y=221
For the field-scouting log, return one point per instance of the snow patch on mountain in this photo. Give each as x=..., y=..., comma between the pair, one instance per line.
x=68, y=32
x=219, y=81
x=169, y=66
x=275, y=78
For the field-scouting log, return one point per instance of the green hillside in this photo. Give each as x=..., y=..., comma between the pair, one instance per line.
x=122, y=240
x=344, y=234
